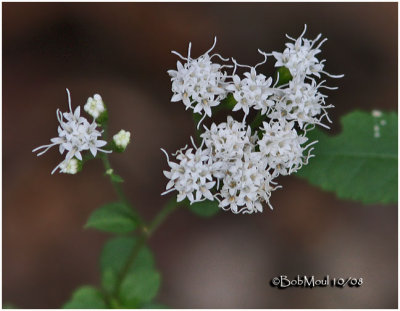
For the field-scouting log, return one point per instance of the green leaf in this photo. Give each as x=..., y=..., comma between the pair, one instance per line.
x=86, y=297
x=153, y=305
x=361, y=162
x=139, y=287
x=229, y=102
x=114, y=217
x=114, y=256
x=205, y=208
x=284, y=75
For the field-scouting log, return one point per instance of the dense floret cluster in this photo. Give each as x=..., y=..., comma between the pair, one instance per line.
x=236, y=163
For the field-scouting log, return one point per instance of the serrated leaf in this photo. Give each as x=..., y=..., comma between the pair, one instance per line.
x=113, y=217
x=361, y=162
x=114, y=256
x=139, y=287
x=86, y=297
x=205, y=208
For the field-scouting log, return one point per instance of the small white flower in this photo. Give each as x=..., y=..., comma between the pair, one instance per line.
x=191, y=177
x=282, y=147
x=247, y=185
x=95, y=106
x=227, y=140
x=199, y=83
x=251, y=92
x=122, y=139
x=300, y=57
x=301, y=102
x=75, y=134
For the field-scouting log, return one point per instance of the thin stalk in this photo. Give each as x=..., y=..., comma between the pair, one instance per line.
x=162, y=215
x=116, y=185
x=144, y=236
x=257, y=121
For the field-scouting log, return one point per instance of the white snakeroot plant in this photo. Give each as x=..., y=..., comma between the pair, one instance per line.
x=236, y=163
x=232, y=164
x=75, y=135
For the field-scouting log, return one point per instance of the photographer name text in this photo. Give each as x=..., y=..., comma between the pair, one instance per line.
x=283, y=281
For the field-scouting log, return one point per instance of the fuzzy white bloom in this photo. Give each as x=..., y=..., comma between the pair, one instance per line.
x=282, y=147
x=247, y=185
x=300, y=57
x=191, y=177
x=75, y=134
x=227, y=160
x=69, y=166
x=228, y=140
x=122, y=139
x=236, y=164
x=95, y=106
x=252, y=91
x=301, y=102
x=199, y=83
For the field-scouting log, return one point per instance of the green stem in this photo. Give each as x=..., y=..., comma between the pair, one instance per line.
x=257, y=121
x=144, y=236
x=119, y=191
x=162, y=215
x=116, y=185
x=146, y=231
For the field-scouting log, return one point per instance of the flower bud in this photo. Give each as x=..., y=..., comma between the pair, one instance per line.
x=72, y=166
x=121, y=140
x=95, y=106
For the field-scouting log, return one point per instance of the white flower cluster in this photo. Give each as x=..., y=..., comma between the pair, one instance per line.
x=301, y=100
x=199, y=83
x=75, y=134
x=236, y=163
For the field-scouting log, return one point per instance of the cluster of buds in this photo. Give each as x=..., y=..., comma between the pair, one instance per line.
x=236, y=163
x=77, y=135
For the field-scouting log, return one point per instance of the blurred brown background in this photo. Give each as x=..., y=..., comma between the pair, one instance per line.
x=122, y=51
